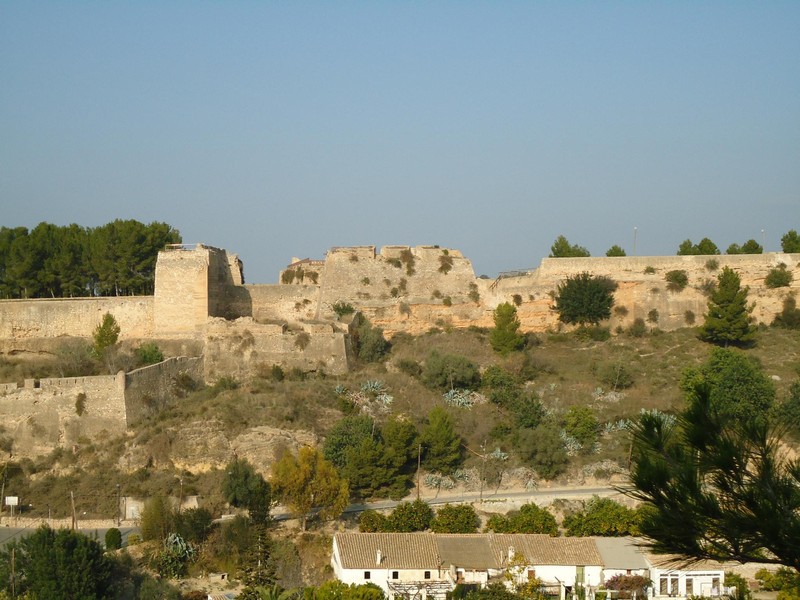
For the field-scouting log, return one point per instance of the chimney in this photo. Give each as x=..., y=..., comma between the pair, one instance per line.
x=511, y=553
x=379, y=558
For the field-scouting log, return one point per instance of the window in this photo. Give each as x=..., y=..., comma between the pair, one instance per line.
x=663, y=586
x=427, y=574
x=395, y=575
x=366, y=574
x=689, y=586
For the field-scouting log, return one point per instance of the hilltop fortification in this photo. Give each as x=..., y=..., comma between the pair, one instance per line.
x=202, y=309
x=202, y=306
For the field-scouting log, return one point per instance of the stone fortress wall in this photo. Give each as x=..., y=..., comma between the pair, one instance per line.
x=46, y=413
x=202, y=304
x=399, y=298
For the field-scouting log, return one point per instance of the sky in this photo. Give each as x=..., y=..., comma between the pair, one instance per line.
x=280, y=129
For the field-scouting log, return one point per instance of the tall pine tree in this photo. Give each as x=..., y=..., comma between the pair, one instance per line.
x=728, y=320
x=504, y=337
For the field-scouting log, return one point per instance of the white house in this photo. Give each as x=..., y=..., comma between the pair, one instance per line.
x=560, y=563
x=678, y=578
x=427, y=565
x=420, y=566
x=403, y=565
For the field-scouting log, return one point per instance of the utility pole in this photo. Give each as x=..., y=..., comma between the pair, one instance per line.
x=419, y=465
x=13, y=573
x=118, y=504
x=74, y=518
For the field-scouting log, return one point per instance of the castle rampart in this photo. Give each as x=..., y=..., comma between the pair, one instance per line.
x=52, y=318
x=46, y=413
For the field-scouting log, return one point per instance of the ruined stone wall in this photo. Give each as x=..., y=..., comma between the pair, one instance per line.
x=150, y=389
x=244, y=348
x=22, y=320
x=275, y=303
x=48, y=413
x=641, y=292
x=402, y=288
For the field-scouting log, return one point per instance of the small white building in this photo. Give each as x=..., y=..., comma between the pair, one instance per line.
x=622, y=556
x=403, y=565
x=561, y=563
x=677, y=578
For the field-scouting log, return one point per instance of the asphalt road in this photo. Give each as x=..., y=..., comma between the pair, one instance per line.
x=8, y=534
x=539, y=495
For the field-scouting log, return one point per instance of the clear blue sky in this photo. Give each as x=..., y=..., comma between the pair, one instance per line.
x=279, y=129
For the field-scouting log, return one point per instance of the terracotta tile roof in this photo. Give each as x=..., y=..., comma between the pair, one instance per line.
x=398, y=550
x=470, y=551
x=541, y=549
x=467, y=551
x=621, y=553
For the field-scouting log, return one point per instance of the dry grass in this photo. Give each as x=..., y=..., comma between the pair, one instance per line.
x=570, y=373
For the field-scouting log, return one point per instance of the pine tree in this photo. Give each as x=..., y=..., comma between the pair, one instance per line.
x=728, y=320
x=504, y=337
x=440, y=442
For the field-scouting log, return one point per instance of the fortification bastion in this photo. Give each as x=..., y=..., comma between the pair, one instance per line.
x=202, y=307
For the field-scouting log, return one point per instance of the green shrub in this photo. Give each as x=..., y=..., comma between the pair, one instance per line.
x=370, y=343
x=113, y=539
x=652, y=316
x=276, y=373
x=778, y=277
x=407, y=258
x=677, y=280
x=789, y=317
x=712, y=264
x=409, y=367
x=450, y=371
x=371, y=521
x=621, y=311
x=445, y=263
x=707, y=286
x=302, y=340
x=342, y=308
x=593, y=334
x=223, y=384
x=80, y=404
x=287, y=276
x=637, y=328
x=648, y=270
x=689, y=317
x=148, y=354
x=473, y=294
x=616, y=376
x=447, y=301
x=585, y=299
